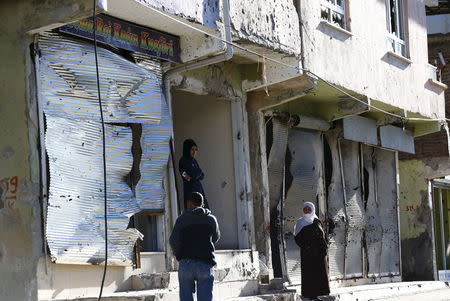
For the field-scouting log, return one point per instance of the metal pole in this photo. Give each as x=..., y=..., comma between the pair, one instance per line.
x=341, y=167
x=43, y=155
x=363, y=194
x=375, y=176
x=441, y=214
x=397, y=180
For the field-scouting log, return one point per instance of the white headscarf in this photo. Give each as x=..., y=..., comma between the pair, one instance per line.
x=307, y=218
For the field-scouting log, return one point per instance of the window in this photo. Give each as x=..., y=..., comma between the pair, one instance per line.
x=334, y=12
x=396, y=26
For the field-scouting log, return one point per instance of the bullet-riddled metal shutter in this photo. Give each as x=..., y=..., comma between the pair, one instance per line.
x=361, y=204
x=306, y=153
x=68, y=97
x=382, y=233
x=363, y=223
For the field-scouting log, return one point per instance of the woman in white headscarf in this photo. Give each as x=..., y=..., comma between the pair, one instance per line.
x=310, y=237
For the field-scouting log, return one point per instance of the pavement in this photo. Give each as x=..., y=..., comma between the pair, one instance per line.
x=398, y=291
x=439, y=295
x=390, y=291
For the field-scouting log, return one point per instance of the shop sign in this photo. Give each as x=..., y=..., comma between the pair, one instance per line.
x=127, y=36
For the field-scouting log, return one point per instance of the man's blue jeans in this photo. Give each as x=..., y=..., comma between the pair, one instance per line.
x=191, y=272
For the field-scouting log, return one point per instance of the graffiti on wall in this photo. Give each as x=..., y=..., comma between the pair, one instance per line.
x=9, y=188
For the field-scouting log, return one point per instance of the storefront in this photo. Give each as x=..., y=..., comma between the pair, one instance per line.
x=143, y=184
x=441, y=217
x=352, y=180
x=138, y=130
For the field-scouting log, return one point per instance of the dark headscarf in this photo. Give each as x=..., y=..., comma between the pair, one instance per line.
x=187, y=145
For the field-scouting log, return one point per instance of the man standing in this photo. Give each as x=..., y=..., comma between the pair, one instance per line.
x=192, y=241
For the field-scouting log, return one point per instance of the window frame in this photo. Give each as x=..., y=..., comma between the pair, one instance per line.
x=335, y=8
x=397, y=41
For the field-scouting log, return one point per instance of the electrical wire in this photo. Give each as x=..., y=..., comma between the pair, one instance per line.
x=403, y=118
x=94, y=17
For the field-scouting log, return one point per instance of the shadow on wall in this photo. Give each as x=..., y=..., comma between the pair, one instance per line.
x=417, y=258
x=211, y=13
x=396, y=62
x=332, y=33
x=432, y=88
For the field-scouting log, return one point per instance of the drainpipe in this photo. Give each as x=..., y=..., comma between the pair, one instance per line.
x=224, y=56
x=300, y=21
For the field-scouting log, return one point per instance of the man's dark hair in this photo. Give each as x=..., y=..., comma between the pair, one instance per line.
x=196, y=198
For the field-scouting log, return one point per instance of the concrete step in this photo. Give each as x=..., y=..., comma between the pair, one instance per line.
x=276, y=285
x=145, y=295
x=169, y=281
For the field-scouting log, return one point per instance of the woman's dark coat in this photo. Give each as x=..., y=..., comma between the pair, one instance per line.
x=313, y=251
x=190, y=166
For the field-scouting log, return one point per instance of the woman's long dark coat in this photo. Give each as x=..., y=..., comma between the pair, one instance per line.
x=190, y=166
x=313, y=251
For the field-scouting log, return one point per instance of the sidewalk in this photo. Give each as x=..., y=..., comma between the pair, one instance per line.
x=400, y=291
x=439, y=295
x=386, y=291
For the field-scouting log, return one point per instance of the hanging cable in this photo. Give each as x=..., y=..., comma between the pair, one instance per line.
x=259, y=55
x=94, y=18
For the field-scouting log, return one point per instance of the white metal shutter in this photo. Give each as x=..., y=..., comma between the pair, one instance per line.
x=68, y=97
x=306, y=151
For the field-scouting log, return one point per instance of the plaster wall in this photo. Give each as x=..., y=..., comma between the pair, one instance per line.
x=359, y=60
x=73, y=281
x=416, y=227
x=273, y=24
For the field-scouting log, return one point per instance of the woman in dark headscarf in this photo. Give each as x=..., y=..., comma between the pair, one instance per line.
x=191, y=172
x=310, y=237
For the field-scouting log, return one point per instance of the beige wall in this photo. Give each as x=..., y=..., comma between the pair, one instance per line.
x=208, y=121
x=71, y=281
x=360, y=62
x=416, y=227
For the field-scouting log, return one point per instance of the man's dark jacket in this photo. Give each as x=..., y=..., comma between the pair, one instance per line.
x=194, y=235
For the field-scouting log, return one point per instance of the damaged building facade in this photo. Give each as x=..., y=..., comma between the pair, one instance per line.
x=337, y=145
x=312, y=103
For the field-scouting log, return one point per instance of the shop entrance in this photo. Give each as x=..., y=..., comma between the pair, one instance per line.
x=208, y=121
x=441, y=206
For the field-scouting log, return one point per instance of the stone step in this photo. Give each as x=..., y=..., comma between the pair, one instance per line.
x=285, y=296
x=169, y=281
x=276, y=285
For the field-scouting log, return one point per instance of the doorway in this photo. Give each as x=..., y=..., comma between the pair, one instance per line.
x=208, y=121
x=441, y=215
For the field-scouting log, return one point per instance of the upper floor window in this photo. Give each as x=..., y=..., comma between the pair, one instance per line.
x=395, y=12
x=334, y=12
